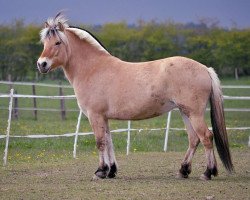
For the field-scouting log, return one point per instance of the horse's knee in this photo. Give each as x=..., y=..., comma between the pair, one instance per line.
x=207, y=140
x=194, y=142
x=100, y=144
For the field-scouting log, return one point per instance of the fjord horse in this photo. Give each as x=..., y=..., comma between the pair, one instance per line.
x=109, y=88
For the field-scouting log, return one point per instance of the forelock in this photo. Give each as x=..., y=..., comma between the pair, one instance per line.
x=52, y=27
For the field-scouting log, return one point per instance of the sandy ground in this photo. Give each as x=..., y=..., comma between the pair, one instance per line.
x=141, y=176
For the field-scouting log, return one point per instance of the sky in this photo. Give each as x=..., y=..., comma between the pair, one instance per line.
x=229, y=13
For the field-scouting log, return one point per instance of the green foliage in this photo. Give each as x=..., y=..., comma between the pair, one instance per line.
x=211, y=45
x=19, y=49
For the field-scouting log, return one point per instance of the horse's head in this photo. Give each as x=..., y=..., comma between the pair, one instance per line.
x=55, y=44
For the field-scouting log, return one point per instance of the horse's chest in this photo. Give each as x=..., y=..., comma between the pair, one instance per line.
x=82, y=108
x=81, y=103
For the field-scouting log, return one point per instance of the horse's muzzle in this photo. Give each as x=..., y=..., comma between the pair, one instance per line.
x=43, y=67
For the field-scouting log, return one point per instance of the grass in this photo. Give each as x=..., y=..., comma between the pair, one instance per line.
x=141, y=176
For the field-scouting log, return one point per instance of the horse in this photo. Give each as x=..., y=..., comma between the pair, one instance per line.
x=107, y=87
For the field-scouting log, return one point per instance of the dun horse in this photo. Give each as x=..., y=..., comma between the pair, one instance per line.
x=109, y=88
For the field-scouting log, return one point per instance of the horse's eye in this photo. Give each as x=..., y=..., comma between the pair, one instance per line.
x=57, y=43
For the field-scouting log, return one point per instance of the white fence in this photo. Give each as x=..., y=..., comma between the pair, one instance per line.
x=76, y=133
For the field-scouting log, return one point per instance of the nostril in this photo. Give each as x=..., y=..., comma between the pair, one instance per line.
x=44, y=64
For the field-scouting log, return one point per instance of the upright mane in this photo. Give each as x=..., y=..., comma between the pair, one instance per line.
x=87, y=36
x=56, y=26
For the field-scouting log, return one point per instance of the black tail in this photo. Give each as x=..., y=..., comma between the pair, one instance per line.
x=218, y=122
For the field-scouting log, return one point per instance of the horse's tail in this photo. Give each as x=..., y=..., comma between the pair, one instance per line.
x=218, y=122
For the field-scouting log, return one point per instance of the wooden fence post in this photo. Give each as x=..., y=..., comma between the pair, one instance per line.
x=236, y=74
x=62, y=102
x=9, y=79
x=37, y=76
x=34, y=102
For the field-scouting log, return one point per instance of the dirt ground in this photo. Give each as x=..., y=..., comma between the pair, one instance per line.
x=141, y=176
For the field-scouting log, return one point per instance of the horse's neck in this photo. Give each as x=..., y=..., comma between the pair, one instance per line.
x=82, y=56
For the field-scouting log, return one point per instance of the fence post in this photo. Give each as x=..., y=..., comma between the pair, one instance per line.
x=15, y=111
x=128, y=138
x=9, y=79
x=37, y=76
x=167, y=131
x=62, y=102
x=249, y=142
x=236, y=75
x=76, y=134
x=8, y=129
x=34, y=101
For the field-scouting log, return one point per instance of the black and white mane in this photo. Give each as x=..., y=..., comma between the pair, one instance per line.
x=54, y=27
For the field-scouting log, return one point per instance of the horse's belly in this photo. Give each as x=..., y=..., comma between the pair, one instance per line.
x=140, y=111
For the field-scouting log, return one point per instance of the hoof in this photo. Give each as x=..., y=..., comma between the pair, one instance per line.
x=102, y=172
x=209, y=173
x=184, y=171
x=181, y=176
x=113, y=171
x=203, y=177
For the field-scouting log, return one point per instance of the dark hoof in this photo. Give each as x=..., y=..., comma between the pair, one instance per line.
x=184, y=171
x=203, y=177
x=208, y=173
x=102, y=172
x=181, y=176
x=113, y=171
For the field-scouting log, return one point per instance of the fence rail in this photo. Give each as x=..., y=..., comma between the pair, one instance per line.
x=73, y=97
x=75, y=110
x=68, y=86
x=35, y=110
x=76, y=134
x=37, y=96
x=36, y=84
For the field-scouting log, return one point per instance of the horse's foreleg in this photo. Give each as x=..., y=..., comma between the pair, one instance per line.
x=100, y=127
x=111, y=154
x=194, y=141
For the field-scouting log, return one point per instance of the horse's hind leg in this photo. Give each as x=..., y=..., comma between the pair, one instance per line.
x=194, y=141
x=206, y=138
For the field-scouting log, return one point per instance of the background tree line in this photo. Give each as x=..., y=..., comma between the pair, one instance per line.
x=223, y=49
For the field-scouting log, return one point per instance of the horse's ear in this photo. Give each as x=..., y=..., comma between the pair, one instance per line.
x=60, y=26
x=46, y=25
